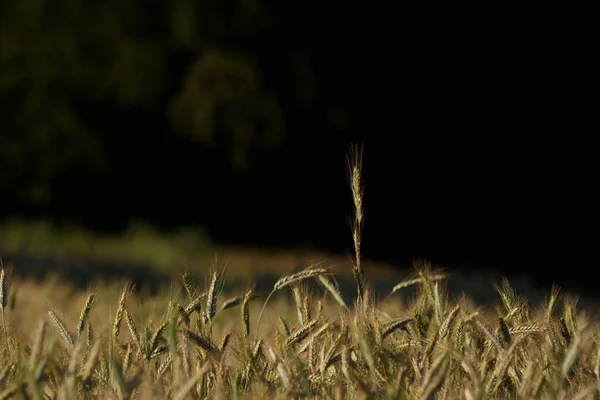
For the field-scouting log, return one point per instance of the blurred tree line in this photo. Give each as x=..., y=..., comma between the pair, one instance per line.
x=88, y=89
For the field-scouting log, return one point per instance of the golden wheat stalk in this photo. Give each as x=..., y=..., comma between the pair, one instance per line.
x=204, y=343
x=230, y=303
x=188, y=285
x=297, y=295
x=300, y=333
x=288, y=280
x=410, y=282
x=246, y=310
x=354, y=165
x=85, y=312
x=61, y=327
x=333, y=289
x=133, y=332
x=211, y=300
x=120, y=309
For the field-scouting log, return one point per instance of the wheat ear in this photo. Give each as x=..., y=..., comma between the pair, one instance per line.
x=85, y=312
x=285, y=281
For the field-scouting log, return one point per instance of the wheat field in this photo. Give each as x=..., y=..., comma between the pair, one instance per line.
x=302, y=340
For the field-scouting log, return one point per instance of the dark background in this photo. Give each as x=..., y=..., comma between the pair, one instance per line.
x=478, y=123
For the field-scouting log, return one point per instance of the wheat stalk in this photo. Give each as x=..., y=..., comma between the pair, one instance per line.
x=354, y=163
x=333, y=289
x=133, y=332
x=246, y=311
x=288, y=280
x=230, y=303
x=85, y=312
x=301, y=332
x=188, y=285
x=211, y=299
x=61, y=327
x=120, y=309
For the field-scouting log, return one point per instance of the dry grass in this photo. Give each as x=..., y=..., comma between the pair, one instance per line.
x=189, y=342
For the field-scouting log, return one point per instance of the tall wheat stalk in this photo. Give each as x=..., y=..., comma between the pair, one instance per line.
x=354, y=164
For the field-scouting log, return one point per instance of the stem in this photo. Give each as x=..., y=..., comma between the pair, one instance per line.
x=5, y=333
x=261, y=313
